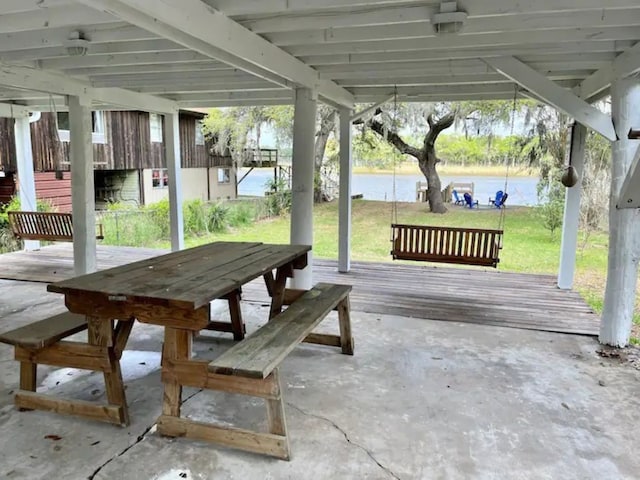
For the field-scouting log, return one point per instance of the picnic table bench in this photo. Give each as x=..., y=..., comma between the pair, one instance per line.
x=251, y=368
x=50, y=226
x=42, y=342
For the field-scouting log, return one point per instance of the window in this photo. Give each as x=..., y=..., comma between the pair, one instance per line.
x=97, y=122
x=159, y=178
x=97, y=126
x=63, y=121
x=199, y=133
x=224, y=175
x=155, y=126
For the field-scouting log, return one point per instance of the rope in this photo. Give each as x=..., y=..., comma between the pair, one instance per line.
x=506, y=177
x=394, y=203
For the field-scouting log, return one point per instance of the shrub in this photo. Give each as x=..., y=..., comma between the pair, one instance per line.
x=131, y=227
x=196, y=219
x=242, y=214
x=159, y=212
x=218, y=217
x=278, y=201
x=551, y=214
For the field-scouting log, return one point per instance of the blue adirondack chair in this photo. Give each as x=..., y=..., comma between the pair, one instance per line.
x=469, y=200
x=456, y=197
x=501, y=197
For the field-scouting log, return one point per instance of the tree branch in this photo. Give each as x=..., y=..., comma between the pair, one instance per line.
x=436, y=127
x=394, y=139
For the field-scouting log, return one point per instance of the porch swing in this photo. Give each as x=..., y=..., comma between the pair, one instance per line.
x=454, y=245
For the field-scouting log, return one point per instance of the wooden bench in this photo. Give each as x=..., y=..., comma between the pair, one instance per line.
x=42, y=342
x=50, y=226
x=466, y=246
x=251, y=368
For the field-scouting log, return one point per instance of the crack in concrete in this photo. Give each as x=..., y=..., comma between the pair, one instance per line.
x=129, y=447
x=140, y=438
x=346, y=437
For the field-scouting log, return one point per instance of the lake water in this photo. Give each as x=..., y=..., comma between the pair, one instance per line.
x=522, y=190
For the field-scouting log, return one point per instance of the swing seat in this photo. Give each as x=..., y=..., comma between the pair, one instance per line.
x=463, y=246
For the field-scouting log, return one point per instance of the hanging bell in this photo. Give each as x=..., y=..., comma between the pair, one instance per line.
x=570, y=177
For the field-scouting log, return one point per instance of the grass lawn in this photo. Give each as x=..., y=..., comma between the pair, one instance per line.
x=528, y=247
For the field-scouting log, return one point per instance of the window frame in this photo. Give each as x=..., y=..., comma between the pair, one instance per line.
x=199, y=133
x=162, y=178
x=156, y=133
x=97, y=128
x=226, y=175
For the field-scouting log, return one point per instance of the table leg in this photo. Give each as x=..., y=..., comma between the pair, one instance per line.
x=237, y=325
x=101, y=333
x=277, y=288
x=177, y=346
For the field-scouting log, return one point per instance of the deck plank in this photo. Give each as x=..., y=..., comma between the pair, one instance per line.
x=479, y=296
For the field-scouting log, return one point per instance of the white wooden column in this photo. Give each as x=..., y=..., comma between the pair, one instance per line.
x=571, y=219
x=82, y=186
x=304, y=130
x=172, y=152
x=26, y=180
x=344, y=221
x=624, y=224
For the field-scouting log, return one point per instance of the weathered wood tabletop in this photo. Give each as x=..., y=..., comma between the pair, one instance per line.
x=188, y=279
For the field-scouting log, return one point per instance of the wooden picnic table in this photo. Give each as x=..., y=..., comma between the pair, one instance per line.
x=175, y=291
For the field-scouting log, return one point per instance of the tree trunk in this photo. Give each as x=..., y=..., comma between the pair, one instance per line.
x=327, y=125
x=434, y=187
x=426, y=156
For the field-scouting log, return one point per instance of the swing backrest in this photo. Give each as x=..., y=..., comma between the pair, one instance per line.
x=466, y=246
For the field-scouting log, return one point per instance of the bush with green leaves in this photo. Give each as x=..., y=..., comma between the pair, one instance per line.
x=132, y=227
x=242, y=213
x=218, y=216
x=551, y=213
x=278, y=200
x=196, y=217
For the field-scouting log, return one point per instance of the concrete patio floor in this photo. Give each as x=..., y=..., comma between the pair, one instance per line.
x=419, y=400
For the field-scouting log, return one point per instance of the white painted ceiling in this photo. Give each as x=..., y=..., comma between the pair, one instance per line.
x=362, y=48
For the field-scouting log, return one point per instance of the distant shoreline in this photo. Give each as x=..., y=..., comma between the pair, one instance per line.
x=452, y=170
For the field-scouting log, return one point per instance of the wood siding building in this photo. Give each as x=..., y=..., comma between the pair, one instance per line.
x=124, y=154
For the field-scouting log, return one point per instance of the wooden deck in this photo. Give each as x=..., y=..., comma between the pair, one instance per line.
x=450, y=294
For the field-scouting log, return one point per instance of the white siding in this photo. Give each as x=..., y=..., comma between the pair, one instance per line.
x=222, y=191
x=194, y=185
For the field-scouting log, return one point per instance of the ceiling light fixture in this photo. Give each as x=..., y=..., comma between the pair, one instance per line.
x=449, y=20
x=76, y=45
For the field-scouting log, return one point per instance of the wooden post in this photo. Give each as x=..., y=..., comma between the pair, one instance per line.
x=172, y=152
x=344, y=222
x=82, y=186
x=26, y=181
x=624, y=224
x=304, y=129
x=571, y=219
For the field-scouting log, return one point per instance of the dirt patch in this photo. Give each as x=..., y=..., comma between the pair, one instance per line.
x=624, y=356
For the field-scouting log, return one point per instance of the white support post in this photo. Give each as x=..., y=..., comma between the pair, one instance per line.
x=26, y=180
x=624, y=224
x=344, y=222
x=571, y=219
x=82, y=186
x=172, y=153
x=304, y=130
